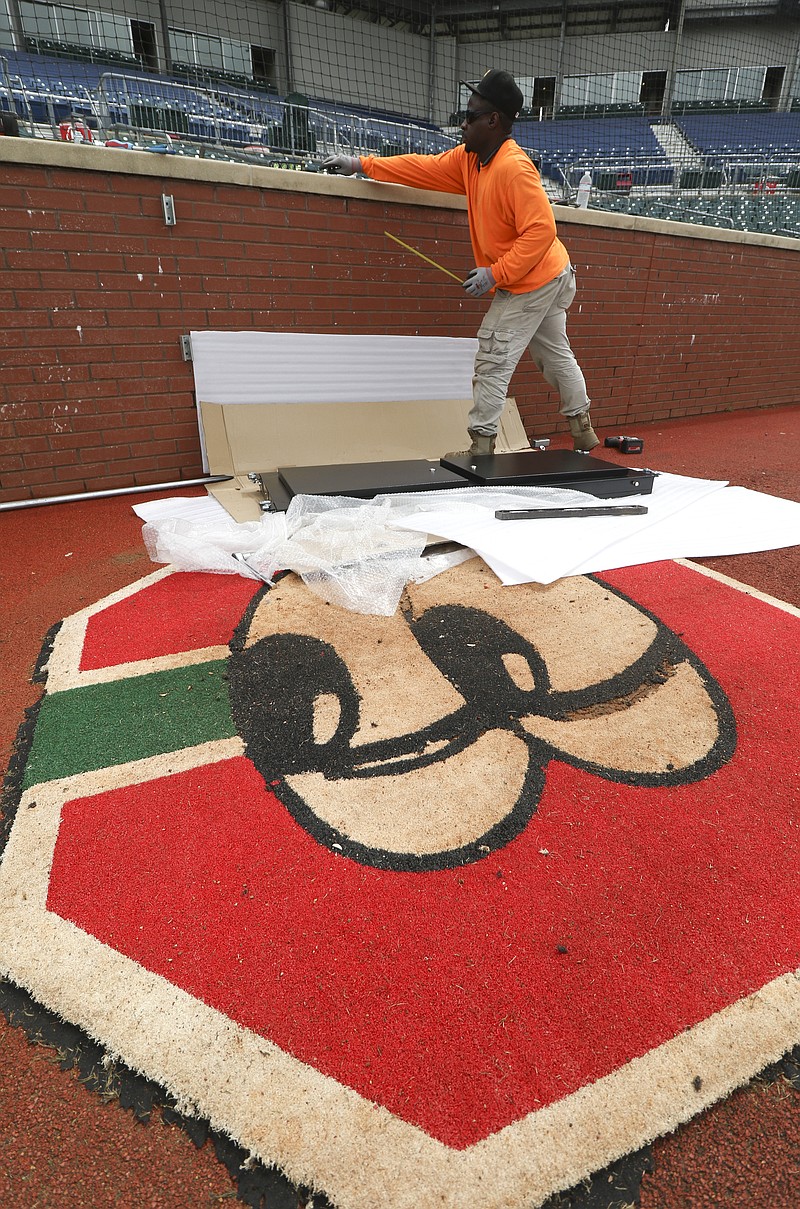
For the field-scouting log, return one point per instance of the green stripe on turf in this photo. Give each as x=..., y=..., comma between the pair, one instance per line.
x=105, y=724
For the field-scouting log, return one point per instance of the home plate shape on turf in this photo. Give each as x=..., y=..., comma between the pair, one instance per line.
x=493, y=891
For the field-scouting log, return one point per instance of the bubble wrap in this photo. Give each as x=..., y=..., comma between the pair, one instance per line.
x=347, y=551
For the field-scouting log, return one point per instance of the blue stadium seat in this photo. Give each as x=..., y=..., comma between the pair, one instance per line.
x=729, y=136
x=610, y=144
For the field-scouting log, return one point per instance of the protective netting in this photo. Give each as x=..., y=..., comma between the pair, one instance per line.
x=676, y=108
x=347, y=551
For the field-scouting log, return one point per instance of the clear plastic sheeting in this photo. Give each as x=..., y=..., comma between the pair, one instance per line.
x=347, y=551
x=344, y=550
x=210, y=545
x=484, y=501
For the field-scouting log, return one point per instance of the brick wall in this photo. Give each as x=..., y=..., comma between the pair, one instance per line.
x=97, y=290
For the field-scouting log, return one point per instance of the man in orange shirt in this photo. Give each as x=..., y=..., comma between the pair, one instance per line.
x=518, y=255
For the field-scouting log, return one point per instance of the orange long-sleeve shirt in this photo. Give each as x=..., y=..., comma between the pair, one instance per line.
x=511, y=222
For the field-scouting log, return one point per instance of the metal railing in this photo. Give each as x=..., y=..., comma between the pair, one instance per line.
x=239, y=118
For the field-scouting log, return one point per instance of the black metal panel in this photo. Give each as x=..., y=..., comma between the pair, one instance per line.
x=552, y=468
x=275, y=494
x=364, y=480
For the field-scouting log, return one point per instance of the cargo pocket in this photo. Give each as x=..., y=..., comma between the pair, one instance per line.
x=494, y=351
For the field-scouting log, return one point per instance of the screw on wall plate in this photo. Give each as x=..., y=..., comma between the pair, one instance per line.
x=168, y=205
x=186, y=347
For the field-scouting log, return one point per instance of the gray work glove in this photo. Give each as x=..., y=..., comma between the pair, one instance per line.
x=341, y=165
x=479, y=282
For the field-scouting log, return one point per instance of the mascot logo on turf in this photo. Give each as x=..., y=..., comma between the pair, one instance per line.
x=422, y=741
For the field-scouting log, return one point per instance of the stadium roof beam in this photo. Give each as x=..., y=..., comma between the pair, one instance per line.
x=719, y=10
x=510, y=18
x=461, y=9
x=414, y=17
x=495, y=19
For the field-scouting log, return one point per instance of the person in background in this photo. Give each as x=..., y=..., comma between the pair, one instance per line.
x=9, y=125
x=519, y=258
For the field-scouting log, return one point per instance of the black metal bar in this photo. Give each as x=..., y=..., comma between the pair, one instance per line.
x=535, y=514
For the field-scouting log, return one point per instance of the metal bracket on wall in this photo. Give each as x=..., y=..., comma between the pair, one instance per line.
x=186, y=347
x=168, y=205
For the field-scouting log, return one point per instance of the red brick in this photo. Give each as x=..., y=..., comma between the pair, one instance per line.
x=114, y=203
x=92, y=222
x=95, y=473
x=110, y=371
x=96, y=262
x=67, y=279
x=134, y=320
x=27, y=445
x=29, y=221
x=52, y=457
x=76, y=472
x=18, y=479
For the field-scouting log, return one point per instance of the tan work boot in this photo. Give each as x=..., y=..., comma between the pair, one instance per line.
x=481, y=445
x=584, y=436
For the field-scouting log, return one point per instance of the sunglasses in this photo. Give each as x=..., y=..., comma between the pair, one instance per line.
x=473, y=115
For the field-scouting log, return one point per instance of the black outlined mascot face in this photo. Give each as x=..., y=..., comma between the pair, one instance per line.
x=421, y=741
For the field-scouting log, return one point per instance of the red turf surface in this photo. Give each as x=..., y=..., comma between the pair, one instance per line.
x=139, y=627
x=60, y=1146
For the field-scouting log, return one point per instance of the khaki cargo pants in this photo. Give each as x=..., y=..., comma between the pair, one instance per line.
x=514, y=322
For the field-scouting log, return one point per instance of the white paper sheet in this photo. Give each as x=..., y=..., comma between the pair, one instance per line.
x=199, y=508
x=541, y=551
x=732, y=521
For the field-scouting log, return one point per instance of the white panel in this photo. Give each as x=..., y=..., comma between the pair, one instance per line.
x=305, y=367
x=687, y=518
x=542, y=551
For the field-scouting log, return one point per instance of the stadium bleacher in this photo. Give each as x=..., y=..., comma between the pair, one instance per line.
x=630, y=168
x=773, y=215
x=732, y=137
x=46, y=90
x=612, y=145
